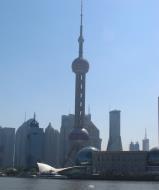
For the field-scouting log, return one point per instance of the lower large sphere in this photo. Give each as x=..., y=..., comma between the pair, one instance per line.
x=78, y=134
x=84, y=156
x=153, y=157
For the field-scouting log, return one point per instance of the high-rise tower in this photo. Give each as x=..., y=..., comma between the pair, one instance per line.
x=79, y=136
x=114, y=143
x=145, y=143
x=29, y=144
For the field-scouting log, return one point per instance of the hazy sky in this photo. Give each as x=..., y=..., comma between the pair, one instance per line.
x=38, y=42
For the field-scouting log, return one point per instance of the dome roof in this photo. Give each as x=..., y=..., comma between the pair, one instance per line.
x=31, y=123
x=84, y=156
x=153, y=157
x=78, y=134
x=154, y=149
x=88, y=149
x=34, y=123
x=80, y=65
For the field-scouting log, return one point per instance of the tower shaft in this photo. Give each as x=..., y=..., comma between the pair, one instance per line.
x=79, y=100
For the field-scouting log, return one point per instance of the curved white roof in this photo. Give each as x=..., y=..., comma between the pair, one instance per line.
x=44, y=168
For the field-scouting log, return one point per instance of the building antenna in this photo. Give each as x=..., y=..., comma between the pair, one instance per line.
x=34, y=116
x=145, y=133
x=89, y=110
x=25, y=117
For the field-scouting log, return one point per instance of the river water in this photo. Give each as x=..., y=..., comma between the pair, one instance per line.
x=50, y=184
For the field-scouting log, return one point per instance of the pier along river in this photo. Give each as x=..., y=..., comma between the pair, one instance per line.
x=51, y=184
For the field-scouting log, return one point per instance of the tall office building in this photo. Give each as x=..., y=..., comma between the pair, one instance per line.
x=67, y=124
x=51, y=146
x=145, y=143
x=131, y=146
x=134, y=146
x=114, y=142
x=137, y=146
x=79, y=136
x=94, y=133
x=7, y=141
x=29, y=144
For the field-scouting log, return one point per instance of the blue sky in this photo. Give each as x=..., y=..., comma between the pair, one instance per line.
x=38, y=42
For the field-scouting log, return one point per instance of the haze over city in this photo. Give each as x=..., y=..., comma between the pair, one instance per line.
x=39, y=43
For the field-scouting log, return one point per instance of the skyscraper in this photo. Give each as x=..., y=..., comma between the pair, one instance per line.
x=145, y=143
x=51, y=146
x=94, y=134
x=114, y=142
x=7, y=141
x=131, y=146
x=137, y=146
x=67, y=124
x=79, y=136
x=29, y=144
x=134, y=146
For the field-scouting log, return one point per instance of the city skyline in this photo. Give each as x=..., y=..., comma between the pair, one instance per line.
x=121, y=43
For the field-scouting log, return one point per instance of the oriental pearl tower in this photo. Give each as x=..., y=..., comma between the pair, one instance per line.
x=79, y=136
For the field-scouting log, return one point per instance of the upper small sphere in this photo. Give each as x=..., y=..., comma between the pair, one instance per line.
x=80, y=66
x=78, y=134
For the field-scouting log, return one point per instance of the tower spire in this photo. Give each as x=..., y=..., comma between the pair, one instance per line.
x=145, y=133
x=81, y=39
x=34, y=116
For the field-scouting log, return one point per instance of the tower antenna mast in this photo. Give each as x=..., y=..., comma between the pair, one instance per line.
x=81, y=39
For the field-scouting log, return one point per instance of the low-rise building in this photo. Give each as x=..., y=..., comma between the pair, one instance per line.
x=119, y=162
